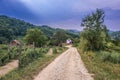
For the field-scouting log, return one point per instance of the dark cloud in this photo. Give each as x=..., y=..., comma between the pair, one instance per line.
x=16, y=9
x=61, y=13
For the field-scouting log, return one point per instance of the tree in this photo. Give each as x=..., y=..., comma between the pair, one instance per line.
x=95, y=33
x=59, y=37
x=35, y=35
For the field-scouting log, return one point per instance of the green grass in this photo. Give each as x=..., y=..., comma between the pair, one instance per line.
x=30, y=71
x=102, y=70
x=113, y=57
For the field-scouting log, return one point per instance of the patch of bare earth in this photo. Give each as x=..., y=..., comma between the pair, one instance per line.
x=8, y=67
x=50, y=52
x=68, y=66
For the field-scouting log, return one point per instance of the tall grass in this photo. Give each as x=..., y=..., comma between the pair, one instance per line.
x=102, y=64
x=113, y=57
x=58, y=49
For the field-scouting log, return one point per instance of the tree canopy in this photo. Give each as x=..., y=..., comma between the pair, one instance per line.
x=95, y=33
x=59, y=37
x=35, y=35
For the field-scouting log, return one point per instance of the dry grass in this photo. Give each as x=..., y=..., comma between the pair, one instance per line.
x=101, y=70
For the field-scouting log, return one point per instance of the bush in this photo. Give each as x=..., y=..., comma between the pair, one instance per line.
x=30, y=55
x=5, y=47
x=91, y=54
x=112, y=57
x=6, y=56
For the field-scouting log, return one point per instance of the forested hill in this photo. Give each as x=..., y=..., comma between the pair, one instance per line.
x=16, y=26
x=10, y=28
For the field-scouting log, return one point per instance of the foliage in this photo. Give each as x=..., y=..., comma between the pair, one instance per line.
x=95, y=34
x=59, y=37
x=11, y=28
x=18, y=27
x=113, y=57
x=116, y=38
x=57, y=50
x=101, y=70
x=30, y=55
x=35, y=35
x=76, y=42
x=29, y=71
x=6, y=56
x=6, y=35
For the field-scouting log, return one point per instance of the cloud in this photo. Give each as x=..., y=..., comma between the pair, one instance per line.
x=61, y=13
x=113, y=25
x=67, y=24
x=113, y=4
x=68, y=13
x=41, y=6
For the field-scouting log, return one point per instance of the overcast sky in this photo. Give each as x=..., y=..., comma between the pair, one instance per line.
x=65, y=14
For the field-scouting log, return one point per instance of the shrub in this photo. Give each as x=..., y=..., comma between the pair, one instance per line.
x=112, y=57
x=91, y=54
x=30, y=55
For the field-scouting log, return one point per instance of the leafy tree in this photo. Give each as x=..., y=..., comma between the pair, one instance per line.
x=59, y=37
x=95, y=34
x=35, y=35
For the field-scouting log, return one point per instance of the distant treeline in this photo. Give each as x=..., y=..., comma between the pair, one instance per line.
x=11, y=28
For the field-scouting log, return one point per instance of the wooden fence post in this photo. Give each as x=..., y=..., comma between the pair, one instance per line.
x=19, y=58
x=9, y=50
x=8, y=47
x=34, y=45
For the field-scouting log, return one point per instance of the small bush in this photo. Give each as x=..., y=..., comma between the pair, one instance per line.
x=91, y=54
x=5, y=47
x=30, y=55
x=112, y=57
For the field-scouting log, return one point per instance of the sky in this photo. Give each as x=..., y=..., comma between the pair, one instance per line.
x=66, y=14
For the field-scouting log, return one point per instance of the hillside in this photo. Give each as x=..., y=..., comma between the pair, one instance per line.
x=11, y=28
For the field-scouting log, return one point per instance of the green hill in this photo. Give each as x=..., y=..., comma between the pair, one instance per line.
x=11, y=28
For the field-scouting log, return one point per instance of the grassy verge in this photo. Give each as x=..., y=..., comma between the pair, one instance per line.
x=102, y=70
x=30, y=71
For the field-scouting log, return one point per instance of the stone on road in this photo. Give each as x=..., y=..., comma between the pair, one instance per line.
x=67, y=66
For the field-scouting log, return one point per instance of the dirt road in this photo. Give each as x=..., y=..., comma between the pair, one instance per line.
x=68, y=66
x=8, y=67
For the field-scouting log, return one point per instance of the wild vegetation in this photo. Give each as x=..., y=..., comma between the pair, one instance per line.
x=5, y=55
x=29, y=71
x=12, y=28
x=100, y=49
x=35, y=41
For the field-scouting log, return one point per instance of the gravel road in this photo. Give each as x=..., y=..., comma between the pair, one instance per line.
x=67, y=66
